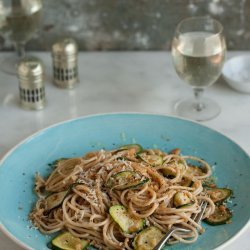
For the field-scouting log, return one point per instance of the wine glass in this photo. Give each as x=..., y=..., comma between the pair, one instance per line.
x=198, y=52
x=19, y=20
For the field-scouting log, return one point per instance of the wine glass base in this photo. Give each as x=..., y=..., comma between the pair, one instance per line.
x=9, y=65
x=188, y=108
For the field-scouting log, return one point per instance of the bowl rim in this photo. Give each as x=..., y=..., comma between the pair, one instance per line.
x=230, y=61
x=12, y=237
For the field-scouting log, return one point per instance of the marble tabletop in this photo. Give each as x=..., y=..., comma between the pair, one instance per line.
x=118, y=82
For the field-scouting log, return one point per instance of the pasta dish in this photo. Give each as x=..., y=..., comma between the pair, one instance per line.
x=126, y=198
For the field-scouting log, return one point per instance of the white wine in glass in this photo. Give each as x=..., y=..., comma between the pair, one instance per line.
x=198, y=51
x=19, y=20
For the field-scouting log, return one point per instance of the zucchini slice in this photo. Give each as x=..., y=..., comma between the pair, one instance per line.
x=221, y=215
x=169, y=172
x=54, y=200
x=187, y=182
x=148, y=238
x=194, y=171
x=66, y=241
x=125, y=180
x=90, y=247
x=181, y=199
x=127, y=223
x=153, y=160
x=171, y=169
x=138, y=148
x=219, y=195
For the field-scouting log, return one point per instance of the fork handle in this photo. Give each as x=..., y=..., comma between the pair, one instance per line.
x=164, y=239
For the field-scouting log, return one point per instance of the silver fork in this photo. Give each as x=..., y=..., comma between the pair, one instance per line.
x=197, y=218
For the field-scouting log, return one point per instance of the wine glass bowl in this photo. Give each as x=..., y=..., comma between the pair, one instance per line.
x=198, y=52
x=19, y=20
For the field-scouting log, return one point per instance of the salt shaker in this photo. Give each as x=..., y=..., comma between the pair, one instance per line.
x=31, y=83
x=65, y=70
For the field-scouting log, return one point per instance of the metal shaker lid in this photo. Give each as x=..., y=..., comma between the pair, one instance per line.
x=30, y=67
x=66, y=47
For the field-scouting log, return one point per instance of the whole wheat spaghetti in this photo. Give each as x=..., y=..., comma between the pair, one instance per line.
x=90, y=192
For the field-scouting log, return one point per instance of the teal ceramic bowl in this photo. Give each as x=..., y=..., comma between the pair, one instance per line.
x=231, y=166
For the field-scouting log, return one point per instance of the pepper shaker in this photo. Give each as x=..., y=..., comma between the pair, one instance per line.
x=31, y=83
x=65, y=70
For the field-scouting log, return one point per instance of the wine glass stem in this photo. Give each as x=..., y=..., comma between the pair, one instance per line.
x=20, y=49
x=198, y=105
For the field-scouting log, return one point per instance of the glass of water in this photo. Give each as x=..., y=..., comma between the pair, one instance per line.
x=198, y=51
x=19, y=20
